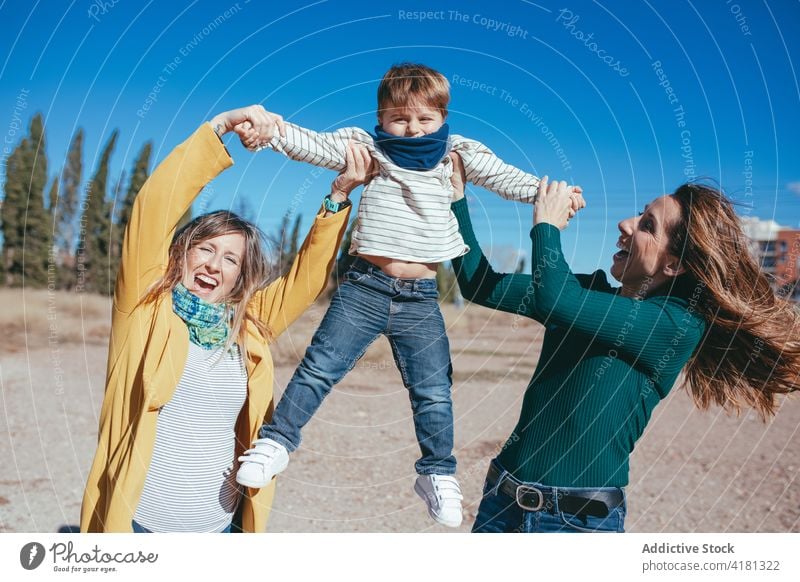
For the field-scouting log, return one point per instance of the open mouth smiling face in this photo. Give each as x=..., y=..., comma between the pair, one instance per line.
x=623, y=253
x=644, y=245
x=213, y=267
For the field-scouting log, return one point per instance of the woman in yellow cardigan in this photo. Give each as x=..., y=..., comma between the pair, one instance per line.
x=189, y=379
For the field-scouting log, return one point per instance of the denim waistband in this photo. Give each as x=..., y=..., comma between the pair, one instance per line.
x=504, y=474
x=364, y=266
x=531, y=496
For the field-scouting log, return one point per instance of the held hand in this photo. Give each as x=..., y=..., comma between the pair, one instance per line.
x=459, y=177
x=578, y=202
x=557, y=203
x=254, y=125
x=360, y=169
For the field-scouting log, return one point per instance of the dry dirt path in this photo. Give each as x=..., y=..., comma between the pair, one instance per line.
x=691, y=471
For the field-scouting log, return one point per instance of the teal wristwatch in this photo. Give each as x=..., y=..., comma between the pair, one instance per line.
x=332, y=206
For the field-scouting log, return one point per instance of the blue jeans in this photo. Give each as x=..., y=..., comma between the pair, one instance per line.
x=499, y=513
x=369, y=303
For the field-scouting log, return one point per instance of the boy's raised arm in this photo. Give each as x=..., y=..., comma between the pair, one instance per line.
x=326, y=149
x=485, y=169
x=322, y=149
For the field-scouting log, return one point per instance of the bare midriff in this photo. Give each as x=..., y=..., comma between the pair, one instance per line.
x=403, y=269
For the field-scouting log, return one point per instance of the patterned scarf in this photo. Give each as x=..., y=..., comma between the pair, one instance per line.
x=206, y=321
x=414, y=153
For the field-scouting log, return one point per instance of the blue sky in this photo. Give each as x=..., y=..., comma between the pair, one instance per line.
x=626, y=99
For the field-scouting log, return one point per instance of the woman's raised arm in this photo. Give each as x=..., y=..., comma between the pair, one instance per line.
x=167, y=195
x=286, y=298
x=659, y=332
x=479, y=283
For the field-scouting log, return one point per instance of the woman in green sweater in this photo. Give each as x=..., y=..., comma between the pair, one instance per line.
x=692, y=299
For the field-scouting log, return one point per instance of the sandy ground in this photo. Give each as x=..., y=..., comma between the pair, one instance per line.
x=691, y=471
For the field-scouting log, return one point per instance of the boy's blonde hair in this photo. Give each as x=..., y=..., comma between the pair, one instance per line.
x=409, y=82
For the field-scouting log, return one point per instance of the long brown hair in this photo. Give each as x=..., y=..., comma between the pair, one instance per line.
x=254, y=267
x=751, y=351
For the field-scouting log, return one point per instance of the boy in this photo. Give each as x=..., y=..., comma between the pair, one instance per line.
x=404, y=229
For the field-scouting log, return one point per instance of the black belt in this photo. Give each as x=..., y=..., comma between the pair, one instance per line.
x=530, y=498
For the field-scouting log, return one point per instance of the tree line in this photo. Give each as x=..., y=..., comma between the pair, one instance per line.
x=60, y=233
x=70, y=237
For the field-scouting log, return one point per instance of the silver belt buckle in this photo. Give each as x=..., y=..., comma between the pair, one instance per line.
x=521, y=490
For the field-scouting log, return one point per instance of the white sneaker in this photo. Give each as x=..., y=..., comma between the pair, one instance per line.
x=260, y=464
x=443, y=496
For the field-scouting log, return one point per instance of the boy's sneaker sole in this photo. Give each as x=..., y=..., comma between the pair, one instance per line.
x=252, y=484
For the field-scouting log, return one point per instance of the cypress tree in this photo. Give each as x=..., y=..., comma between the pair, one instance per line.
x=66, y=212
x=53, y=198
x=280, y=246
x=53, y=276
x=68, y=200
x=93, y=258
x=38, y=229
x=446, y=283
x=294, y=240
x=139, y=176
x=285, y=244
x=25, y=221
x=115, y=232
x=11, y=213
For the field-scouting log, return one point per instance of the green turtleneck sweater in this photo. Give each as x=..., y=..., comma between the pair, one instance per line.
x=606, y=360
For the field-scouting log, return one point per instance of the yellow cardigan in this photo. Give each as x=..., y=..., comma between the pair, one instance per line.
x=149, y=343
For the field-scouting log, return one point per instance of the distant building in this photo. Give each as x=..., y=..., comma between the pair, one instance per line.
x=777, y=249
x=787, y=262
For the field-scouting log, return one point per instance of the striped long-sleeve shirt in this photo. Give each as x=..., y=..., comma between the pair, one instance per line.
x=405, y=214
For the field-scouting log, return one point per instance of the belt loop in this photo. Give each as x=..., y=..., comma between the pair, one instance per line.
x=496, y=489
x=360, y=264
x=555, y=496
